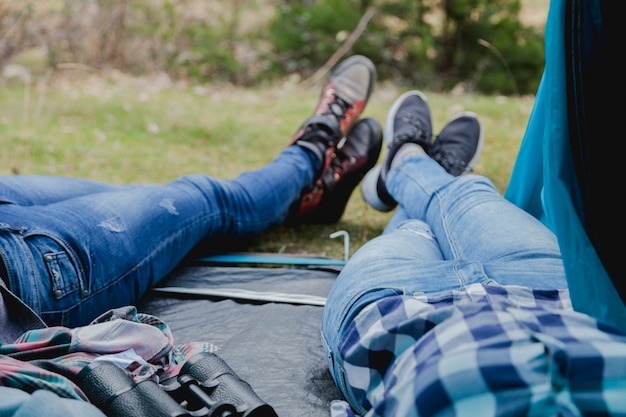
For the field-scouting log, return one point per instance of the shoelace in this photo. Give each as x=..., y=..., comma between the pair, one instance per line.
x=338, y=108
x=417, y=131
x=450, y=162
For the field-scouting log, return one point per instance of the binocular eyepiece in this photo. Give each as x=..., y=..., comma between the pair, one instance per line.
x=205, y=387
x=113, y=390
x=207, y=382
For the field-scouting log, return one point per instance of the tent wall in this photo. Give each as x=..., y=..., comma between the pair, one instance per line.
x=567, y=172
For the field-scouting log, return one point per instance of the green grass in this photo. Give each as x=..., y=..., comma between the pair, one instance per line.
x=120, y=130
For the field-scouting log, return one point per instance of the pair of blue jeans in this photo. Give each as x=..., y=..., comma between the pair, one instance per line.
x=448, y=232
x=75, y=248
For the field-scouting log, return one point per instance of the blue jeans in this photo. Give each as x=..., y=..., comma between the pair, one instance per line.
x=447, y=232
x=75, y=248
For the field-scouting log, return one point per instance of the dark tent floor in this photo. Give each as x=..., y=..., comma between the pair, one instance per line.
x=274, y=346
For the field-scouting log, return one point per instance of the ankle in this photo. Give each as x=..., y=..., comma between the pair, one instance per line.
x=406, y=150
x=316, y=152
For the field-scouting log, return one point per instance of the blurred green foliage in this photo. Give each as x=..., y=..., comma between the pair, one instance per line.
x=478, y=44
x=475, y=45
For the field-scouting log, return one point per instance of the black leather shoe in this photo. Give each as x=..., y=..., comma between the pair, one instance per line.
x=325, y=201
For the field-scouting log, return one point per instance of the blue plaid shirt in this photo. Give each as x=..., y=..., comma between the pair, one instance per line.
x=486, y=351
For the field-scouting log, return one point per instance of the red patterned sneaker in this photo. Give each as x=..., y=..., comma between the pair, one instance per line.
x=325, y=201
x=341, y=103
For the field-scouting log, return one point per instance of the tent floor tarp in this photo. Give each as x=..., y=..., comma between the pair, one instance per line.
x=274, y=346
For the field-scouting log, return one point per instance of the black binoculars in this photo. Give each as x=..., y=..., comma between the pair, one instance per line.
x=205, y=387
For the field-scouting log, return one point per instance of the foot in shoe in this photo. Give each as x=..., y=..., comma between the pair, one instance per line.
x=326, y=200
x=458, y=146
x=408, y=123
x=342, y=101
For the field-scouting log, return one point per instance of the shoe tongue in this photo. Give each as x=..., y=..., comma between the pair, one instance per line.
x=336, y=108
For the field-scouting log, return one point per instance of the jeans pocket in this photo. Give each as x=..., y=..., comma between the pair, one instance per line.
x=58, y=269
x=62, y=275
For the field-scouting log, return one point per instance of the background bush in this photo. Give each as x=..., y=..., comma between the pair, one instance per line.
x=476, y=45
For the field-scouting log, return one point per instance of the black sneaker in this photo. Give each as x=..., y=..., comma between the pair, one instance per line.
x=458, y=146
x=325, y=201
x=408, y=121
x=341, y=103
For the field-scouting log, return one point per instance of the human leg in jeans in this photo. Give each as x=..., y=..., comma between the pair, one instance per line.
x=74, y=249
x=451, y=229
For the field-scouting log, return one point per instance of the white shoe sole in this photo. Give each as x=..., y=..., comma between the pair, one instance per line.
x=369, y=191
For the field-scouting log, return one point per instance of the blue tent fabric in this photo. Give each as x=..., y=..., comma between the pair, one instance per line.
x=555, y=177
